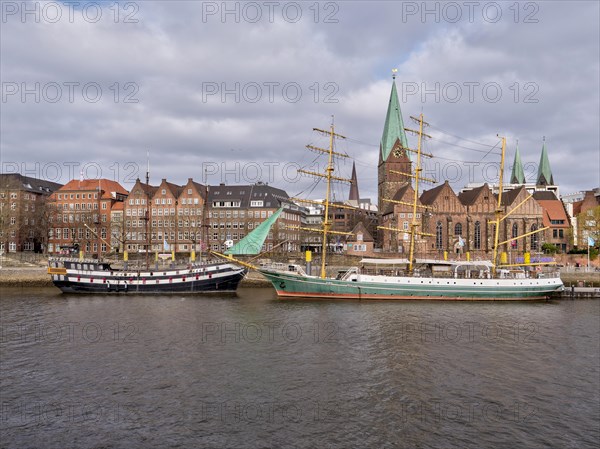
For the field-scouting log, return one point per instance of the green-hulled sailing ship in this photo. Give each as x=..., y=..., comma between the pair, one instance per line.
x=410, y=278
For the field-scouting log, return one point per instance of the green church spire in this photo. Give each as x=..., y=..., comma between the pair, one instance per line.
x=518, y=174
x=545, y=177
x=394, y=125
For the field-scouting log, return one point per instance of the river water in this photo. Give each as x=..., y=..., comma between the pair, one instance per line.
x=251, y=371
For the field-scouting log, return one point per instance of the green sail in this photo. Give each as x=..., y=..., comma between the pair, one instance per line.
x=253, y=242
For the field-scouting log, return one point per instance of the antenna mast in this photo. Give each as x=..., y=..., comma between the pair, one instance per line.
x=147, y=167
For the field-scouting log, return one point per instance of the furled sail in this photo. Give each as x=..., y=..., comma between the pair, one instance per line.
x=253, y=242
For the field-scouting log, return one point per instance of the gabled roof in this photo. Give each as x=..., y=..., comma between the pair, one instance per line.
x=148, y=189
x=554, y=210
x=106, y=185
x=388, y=207
x=468, y=197
x=360, y=228
x=393, y=128
x=174, y=188
x=545, y=177
x=429, y=196
x=202, y=189
x=510, y=196
x=518, y=174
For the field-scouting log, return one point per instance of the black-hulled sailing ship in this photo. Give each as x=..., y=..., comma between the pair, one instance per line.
x=93, y=276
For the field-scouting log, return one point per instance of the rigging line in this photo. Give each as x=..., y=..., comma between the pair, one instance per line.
x=455, y=160
x=485, y=155
x=361, y=142
x=460, y=146
x=462, y=138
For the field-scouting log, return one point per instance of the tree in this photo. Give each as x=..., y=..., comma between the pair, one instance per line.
x=549, y=248
x=589, y=225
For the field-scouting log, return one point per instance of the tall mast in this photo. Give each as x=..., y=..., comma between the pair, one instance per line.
x=414, y=223
x=329, y=177
x=326, y=223
x=498, y=208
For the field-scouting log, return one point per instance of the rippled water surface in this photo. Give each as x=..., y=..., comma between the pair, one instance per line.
x=253, y=371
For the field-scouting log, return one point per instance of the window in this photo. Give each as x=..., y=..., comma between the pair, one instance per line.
x=534, y=238
x=405, y=225
x=189, y=191
x=438, y=236
x=515, y=233
x=458, y=229
x=477, y=236
x=256, y=203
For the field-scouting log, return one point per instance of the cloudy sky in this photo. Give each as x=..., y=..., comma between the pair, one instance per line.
x=231, y=91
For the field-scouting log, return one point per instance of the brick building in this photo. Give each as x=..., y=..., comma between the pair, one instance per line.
x=165, y=217
x=81, y=216
x=235, y=211
x=586, y=218
x=24, y=213
x=464, y=222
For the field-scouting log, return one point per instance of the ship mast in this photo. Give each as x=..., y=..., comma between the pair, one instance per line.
x=498, y=208
x=418, y=170
x=326, y=222
x=329, y=178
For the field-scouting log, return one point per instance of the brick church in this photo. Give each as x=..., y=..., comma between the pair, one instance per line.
x=460, y=223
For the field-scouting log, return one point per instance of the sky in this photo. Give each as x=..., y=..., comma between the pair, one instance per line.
x=231, y=92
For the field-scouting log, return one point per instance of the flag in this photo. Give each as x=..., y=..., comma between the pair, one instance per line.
x=591, y=241
x=165, y=245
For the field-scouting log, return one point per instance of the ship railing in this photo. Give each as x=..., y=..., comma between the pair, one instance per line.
x=286, y=267
x=345, y=275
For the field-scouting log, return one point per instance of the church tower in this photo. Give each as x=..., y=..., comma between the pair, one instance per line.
x=353, y=195
x=392, y=153
x=544, y=177
x=518, y=174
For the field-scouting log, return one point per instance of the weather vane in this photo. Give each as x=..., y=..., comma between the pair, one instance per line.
x=394, y=71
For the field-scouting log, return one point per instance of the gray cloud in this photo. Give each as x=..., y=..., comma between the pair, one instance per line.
x=172, y=56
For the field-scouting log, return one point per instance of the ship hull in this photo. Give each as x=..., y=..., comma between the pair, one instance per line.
x=96, y=279
x=289, y=285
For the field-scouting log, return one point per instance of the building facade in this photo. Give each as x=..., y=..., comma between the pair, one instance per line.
x=234, y=211
x=24, y=212
x=81, y=216
x=165, y=218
